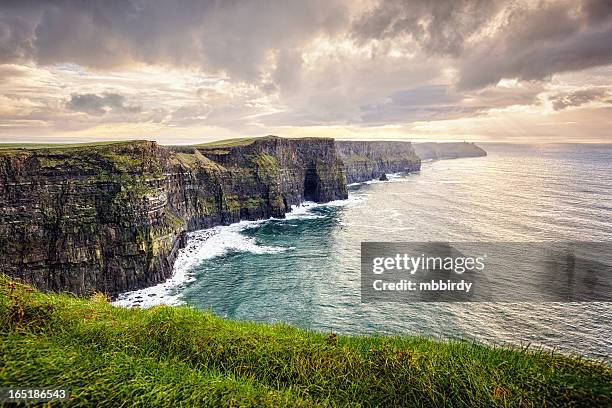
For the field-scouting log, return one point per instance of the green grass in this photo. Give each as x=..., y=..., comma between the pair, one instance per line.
x=238, y=141
x=177, y=356
x=233, y=142
x=33, y=146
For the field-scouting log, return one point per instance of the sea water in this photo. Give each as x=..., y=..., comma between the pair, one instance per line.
x=305, y=269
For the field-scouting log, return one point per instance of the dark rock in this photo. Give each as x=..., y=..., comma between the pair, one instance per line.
x=383, y=177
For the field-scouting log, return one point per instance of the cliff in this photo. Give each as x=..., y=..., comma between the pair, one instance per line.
x=367, y=160
x=452, y=150
x=112, y=217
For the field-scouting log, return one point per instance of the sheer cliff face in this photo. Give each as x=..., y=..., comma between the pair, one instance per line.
x=367, y=160
x=112, y=218
x=437, y=151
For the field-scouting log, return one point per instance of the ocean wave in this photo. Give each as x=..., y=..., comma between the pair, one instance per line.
x=304, y=210
x=201, y=245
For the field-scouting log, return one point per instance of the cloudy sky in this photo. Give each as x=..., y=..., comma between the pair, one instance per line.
x=198, y=70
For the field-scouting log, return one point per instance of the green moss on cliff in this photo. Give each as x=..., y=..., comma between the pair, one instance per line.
x=267, y=166
x=209, y=205
x=253, y=202
x=158, y=239
x=231, y=202
x=124, y=162
x=130, y=187
x=195, y=160
x=55, y=162
x=174, y=221
x=277, y=202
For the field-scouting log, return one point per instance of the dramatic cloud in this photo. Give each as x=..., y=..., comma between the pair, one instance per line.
x=199, y=68
x=579, y=97
x=440, y=27
x=233, y=36
x=421, y=103
x=99, y=105
x=536, y=43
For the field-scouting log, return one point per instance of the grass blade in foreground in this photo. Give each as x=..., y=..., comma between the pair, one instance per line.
x=180, y=356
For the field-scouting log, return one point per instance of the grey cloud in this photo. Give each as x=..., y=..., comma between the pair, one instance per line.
x=534, y=41
x=499, y=97
x=263, y=43
x=379, y=117
x=597, y=10
x=15, y=38
x=241, y=38
x=288, y=68
x=440, y=27
x=533, y=45
x=231, y=36
x=442, y=102
x=11, y=71
x=579, y=97
x=98, y=105
x=78, y=35
x=429, y=102
x=424, y=95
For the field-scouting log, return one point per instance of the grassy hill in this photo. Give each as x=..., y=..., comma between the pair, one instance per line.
x=173, y=356
x=33, y=146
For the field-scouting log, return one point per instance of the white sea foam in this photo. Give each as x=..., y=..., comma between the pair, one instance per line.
x=201, y=245
x=303, y=211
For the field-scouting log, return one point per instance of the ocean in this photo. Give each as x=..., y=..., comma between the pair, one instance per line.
x=305, y=270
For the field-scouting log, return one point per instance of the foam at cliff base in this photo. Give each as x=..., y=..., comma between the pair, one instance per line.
x=201, y=245
x=210, y=243
x=304, y=210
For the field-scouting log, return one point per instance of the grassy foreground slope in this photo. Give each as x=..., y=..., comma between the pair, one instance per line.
x=169, y=356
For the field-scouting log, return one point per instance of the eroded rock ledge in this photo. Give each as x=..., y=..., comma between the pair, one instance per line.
x=112, y=217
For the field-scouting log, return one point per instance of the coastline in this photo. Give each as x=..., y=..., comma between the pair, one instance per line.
x=159, y=294
x=201, y=245
x=194, y=251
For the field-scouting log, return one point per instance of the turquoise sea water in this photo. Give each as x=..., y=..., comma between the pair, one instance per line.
x=304, y=270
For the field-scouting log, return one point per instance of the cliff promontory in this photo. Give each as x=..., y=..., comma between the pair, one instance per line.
x=451, y=150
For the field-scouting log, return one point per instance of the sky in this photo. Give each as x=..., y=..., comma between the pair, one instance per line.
x=193, y=71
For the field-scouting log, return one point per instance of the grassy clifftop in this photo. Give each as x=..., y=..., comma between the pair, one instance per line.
x=171, y=356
